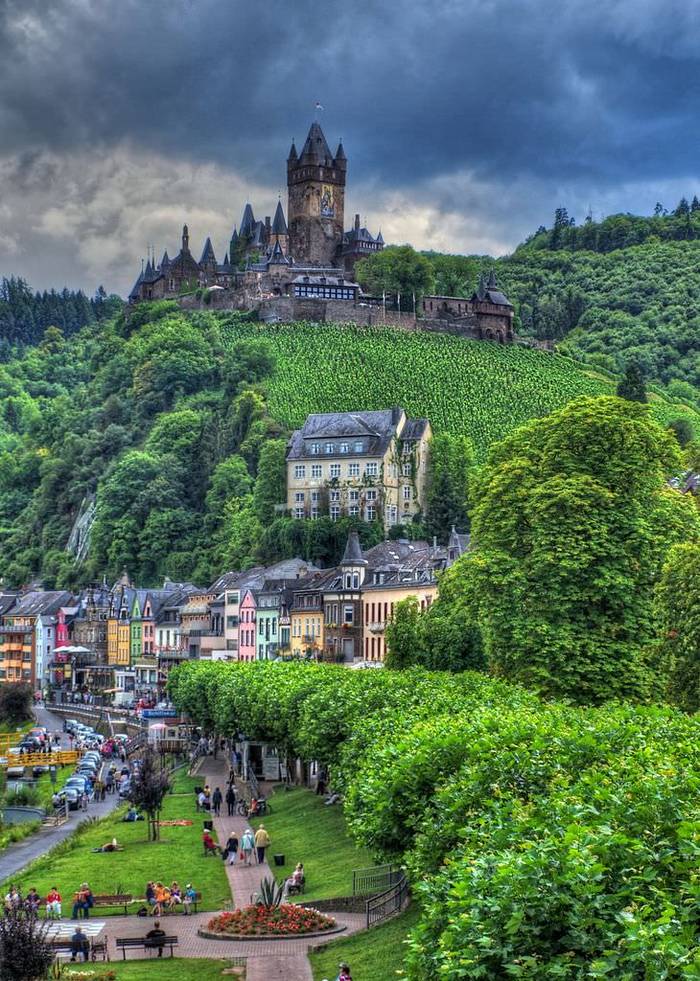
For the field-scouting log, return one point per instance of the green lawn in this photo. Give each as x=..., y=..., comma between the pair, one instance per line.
x=178, y=856
x=374, y=955
x=182, y=784
x=304, y=830
x=153, y=969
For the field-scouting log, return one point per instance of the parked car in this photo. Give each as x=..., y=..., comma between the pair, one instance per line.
x=69, y=725
x=30, y=744
x=71, y=796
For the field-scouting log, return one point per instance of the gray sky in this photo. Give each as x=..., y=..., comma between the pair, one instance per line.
x=465, y=123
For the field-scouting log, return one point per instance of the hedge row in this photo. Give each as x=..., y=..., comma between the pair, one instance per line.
x=546, y=841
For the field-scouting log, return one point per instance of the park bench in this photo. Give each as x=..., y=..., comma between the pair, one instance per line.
x=95, y=948
x=145, y=943
x=118, y=899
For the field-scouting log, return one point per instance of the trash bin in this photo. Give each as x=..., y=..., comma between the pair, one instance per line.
x=279, y=860
x=208, y=825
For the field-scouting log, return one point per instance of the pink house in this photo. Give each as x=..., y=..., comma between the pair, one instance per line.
x=246, y=627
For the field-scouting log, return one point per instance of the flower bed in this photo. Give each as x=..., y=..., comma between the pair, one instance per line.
x=271, y=921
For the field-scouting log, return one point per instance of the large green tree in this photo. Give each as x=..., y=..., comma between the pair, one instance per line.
x=451, y=461
x=571, y=524
x=678, y=598
x=396, y=269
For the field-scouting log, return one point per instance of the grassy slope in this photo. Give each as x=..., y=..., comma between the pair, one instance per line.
x=372, y=956
x=304, y=830
x=481, y=389
x=152, y=969
x=177, y=856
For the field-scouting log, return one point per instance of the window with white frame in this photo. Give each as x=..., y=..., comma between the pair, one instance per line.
x=334, y=470
x=370, y=512
x=314, y=513
x=348, y=614
x=359, y=446
x=335, y=495
x=316, y=470
x=315, y=449
x=299, y=471
x=407, y=493
x=335, y=512
x=329, y=448
x=299, y=497
x=298, y=512
x=406, y=469
x=354, y=495
x=371, y=495
x=315, y=496
x=344, y=447
x=371, y=469
x=353, y=510
x=353, y=469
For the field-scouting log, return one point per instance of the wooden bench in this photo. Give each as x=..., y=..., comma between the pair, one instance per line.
x=94, y=948
x=118, y=899
x=145, y=943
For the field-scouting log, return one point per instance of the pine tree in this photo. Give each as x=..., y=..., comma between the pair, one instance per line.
x=632, y=386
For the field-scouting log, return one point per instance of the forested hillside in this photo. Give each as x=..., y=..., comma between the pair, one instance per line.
x=179, y=424
x=623, y=290
x=25, y=316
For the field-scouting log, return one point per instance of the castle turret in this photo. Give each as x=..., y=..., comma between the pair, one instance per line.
x=316, y=200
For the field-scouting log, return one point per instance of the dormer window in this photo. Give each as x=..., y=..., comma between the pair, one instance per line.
x=359, y=446
x=344, y=448
x=329, y=447
x=315, y=449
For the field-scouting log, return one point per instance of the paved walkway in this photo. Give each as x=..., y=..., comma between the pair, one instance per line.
x=16, y=856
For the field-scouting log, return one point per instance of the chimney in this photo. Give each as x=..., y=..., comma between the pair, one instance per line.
x=357, y=223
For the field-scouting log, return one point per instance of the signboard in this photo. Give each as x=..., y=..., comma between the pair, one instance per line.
x=159, y=713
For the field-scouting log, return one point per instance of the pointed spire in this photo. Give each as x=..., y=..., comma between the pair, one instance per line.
x=185, y=239
x=481, y=289
x=379, y=238
x=247, y=222
x=492, y=284
x=278, y=257
x=316, y=149
x=165, y=261
x=234, y=239
x=293, y=155
x=279, y=224
x=208, y=253
x=226, y=260
x=340, y=152
x=353, y=551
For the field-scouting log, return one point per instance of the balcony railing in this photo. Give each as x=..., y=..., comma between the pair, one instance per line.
x=376, y=627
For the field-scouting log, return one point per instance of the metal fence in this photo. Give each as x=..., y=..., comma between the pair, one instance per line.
x=387, y=903
x=378, y=878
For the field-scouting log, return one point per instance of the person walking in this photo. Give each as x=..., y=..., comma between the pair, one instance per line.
x=216, y=799
x=231, y=849
x=262, y=841
x=231, y=800
x=247, y=845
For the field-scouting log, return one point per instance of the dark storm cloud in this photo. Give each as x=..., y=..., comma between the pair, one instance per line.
x=505, y=87
x=465, y=122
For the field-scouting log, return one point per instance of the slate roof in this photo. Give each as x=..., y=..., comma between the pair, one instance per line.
x=136, y=288
x=247, y=222
x=316, y=149
x=458, y=543
x=326, y=281
x=7, y=601
x=207, y=253
x=279, y=224
x=353, y=551
x=278, y=258
x=376, y=429
x=414, y=428
x=36, y=602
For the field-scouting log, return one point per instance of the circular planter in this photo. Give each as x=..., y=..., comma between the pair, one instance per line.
x=210, y=935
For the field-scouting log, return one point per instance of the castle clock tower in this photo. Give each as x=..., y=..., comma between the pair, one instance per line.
x=316, y=200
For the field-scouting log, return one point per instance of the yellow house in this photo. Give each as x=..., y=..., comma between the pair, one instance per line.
x=368, y=465
x=306, y=616
x=119, y=626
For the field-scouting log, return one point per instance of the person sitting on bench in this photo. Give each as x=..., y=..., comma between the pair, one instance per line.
x=154, y=936
x=79, y=944
x=209, y=843
x=295, y=881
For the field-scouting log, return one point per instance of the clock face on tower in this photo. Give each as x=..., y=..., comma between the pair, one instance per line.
x=327, y=202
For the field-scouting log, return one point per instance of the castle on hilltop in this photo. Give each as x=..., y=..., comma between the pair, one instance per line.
x=308, y=253
x=301, y=266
